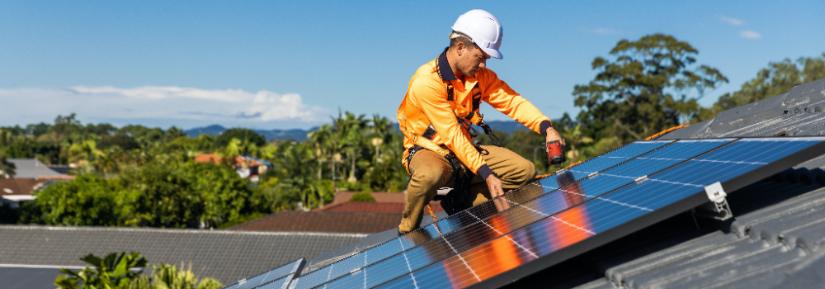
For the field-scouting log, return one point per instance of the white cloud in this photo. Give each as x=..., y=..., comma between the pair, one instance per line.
x=166, y=92
x=750, y=34
x=182, y=106
x=747, y=33
x=602, y=31
x=269, y=106
x=732, y=21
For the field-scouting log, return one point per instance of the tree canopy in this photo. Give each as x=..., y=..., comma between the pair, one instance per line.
x=644, y=86
x=777, y=78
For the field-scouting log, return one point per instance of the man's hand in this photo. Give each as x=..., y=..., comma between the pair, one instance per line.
x=553, y=135
x=501, y=204
x=494, y=186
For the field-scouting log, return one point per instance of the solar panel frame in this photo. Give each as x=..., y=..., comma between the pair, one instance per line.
x=609, y=160
x=653, y=217
x=286, y=272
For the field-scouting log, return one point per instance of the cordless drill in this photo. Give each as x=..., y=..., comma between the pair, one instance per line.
x=555, y=154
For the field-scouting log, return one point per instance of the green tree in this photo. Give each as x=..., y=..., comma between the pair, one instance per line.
x=157, y=194
x=242, y=134
x=777, y=78
x=225, y=197
x=322, y=140
x=645, y=86
x=166, y=276
x=364, y=197
x=125, y=271
x=6, y=168
x=88, y=200
x=184, y=195
x=38, y=129
x=85, y=155
x=122, y=140
x=115, y=270
x=350, y=131
x=384, y=172
x=297, y=183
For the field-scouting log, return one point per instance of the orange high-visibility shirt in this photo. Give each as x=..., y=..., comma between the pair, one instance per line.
x=426, y=103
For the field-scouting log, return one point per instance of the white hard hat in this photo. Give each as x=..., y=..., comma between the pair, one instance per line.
x=483, y=28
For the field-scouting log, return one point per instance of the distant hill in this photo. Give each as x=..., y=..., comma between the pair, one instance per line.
x=504, y=126
x=269, y=135
x=212, y=130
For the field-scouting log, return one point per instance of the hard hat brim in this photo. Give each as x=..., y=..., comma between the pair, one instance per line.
x=492, y=52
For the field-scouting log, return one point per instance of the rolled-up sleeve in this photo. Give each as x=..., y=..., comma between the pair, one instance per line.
x=501, y=97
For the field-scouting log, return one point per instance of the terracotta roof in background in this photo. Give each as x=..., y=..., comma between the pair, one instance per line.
x=380, y=197
x=321, y=221
x=208, y=158
x=15, y=186
x=365, y=207
x=340, y=216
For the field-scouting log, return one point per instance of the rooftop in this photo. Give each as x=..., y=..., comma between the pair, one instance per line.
x=34, y=169
x=324, y=221
x=775, y=241
x=225, y=255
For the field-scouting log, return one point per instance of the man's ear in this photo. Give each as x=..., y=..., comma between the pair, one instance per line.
x=459, y=48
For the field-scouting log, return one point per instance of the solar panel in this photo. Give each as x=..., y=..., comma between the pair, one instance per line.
x=607, y=160
x=648, y=198
x=464, y=219
x=279, y=277
x=570, y=194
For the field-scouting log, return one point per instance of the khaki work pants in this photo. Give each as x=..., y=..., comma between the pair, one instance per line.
x=430, y=171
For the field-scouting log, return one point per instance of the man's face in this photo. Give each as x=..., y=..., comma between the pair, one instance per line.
x=471, y=59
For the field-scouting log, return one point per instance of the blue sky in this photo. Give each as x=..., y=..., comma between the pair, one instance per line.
x=292, y=64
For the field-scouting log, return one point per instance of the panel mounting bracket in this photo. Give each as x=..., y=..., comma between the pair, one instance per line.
x=718, y=202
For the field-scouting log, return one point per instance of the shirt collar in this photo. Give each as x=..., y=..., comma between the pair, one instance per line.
x=444, y=70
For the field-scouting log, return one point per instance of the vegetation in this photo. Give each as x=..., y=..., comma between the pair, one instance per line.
x=6, y=168
x=646, y=86
x=362, y=197
x=125, y=271
x=139, y=176
x=777, y=78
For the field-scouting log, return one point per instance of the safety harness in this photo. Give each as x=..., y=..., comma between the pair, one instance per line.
x=458, y=199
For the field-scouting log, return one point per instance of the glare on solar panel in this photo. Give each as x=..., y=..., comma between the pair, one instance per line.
x=547, y=204
x=462, y=219
x=598, y=220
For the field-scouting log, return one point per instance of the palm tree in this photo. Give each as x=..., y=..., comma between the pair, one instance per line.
x=294, y=166
x=85, y=154
x=575, y=140
x=351, y=131
x=322, y=140
x=380, y=131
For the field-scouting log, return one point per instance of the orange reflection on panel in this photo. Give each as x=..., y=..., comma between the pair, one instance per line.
x=457, y=272
x=488, y=259
x=572, y=225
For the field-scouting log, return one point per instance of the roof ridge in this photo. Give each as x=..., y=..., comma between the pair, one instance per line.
x=184, y=231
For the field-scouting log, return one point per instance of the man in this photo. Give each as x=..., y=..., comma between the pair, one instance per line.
x=436, y=114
